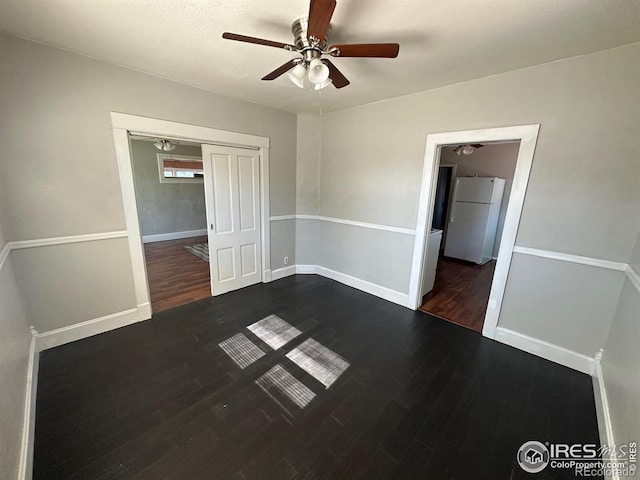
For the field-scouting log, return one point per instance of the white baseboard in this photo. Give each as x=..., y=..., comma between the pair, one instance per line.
x=162, y=237
x=605, y=427
x=283, y=272
x=60, y=336
x=363, y=285
x=307, y=269
x=549, y=351
x=25, y=468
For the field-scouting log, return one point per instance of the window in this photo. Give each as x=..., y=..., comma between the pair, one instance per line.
x=180, y=168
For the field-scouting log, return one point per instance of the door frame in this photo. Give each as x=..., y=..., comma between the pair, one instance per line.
x=454, y=171
x=527, y=135
x=122, y=125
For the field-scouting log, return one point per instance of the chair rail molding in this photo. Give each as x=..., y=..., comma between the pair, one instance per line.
x=354, y=223
x=567, y=257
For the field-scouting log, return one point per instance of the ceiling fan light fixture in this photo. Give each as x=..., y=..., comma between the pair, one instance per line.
x=467, y=150
x=320, y=86
x=297, y=74
x=318, y=71
x=164, y=145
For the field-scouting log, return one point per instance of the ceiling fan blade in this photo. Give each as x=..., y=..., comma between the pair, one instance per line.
x=258, y=41
x=378, y=50
x=477, y=145
x=280, y=70
x=320, y=13
x=336, y=76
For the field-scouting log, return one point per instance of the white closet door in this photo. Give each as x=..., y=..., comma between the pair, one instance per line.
x=232, y=189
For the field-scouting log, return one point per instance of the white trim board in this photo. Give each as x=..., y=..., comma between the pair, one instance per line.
x=546, y=350
x=47, y=242
x=354, y=223
x=527, y=135
x=605, y=427
x=123, y=124
x=278, y=218
x=89, y=328
x=633, y=277
x=379, y=291
x=25, y=467
x=163, y=237
x=283, y=272
x=153, y=127
x=4, y=253
x=567, y=257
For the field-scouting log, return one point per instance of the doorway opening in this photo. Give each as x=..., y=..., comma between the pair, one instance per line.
x=426, y=251
x=467, y=224
x=235, y=178
x=169, y=188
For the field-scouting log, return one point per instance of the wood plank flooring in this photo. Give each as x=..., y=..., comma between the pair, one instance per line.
x=461, y=292
x=176, y=277
x=420, y=399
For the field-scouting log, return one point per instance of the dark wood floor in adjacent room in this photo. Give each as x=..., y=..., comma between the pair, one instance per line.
x=461, y=292
x=176, y=277
x=420, y=399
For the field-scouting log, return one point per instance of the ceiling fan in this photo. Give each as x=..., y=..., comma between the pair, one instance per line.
x=465, y=149
x=311, y=41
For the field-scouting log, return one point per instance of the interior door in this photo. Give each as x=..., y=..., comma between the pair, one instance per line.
x=232, y=190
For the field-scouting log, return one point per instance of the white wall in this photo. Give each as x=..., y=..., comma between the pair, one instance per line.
x=580, y=200
x=621, y=361
x=60, y=175
x=492, y=160
x=15, y=340
x=166, y=207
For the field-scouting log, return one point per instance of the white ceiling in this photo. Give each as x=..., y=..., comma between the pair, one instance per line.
x=441, y=41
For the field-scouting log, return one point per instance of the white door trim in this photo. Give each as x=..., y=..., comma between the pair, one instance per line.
x=527, y=135
x=122, y=124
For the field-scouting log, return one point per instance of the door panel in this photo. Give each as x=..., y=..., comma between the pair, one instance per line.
x=246, y=183
x=232, y=192
x=249, y=259
x=222, y=192
x=225, y=264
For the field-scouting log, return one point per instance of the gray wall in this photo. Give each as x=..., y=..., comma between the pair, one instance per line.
x=581, y=197
x=15, y=338
x=493, y=160
x=62, y=178
x=308, y=188
x=621, y=362
x=308, y=157
x=165, y=207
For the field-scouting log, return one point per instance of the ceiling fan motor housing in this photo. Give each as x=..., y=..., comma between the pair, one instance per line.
x=307, y=49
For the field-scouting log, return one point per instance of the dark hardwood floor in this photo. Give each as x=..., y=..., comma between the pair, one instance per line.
x=420, y=399
x=176, y=277
x=461, y=292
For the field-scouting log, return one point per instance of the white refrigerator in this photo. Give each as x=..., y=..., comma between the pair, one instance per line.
x=473, y=222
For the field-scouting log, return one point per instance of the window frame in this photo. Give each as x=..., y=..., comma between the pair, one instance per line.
x=167, y=156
